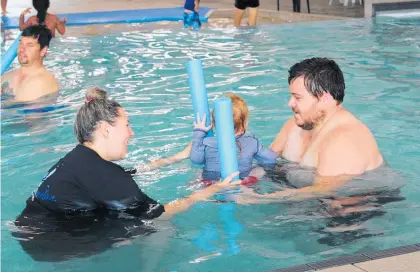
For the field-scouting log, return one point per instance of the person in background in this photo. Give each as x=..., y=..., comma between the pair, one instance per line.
x=240, y=8
x=191, y=16
x=51, y=21
x=31, y=81
x=3, y=7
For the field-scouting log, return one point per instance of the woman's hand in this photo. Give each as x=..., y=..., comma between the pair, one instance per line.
x=183, y=204
x=210, y=191
x=227, y=182
x=185, y=154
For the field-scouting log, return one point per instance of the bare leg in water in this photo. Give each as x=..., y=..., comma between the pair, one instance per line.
x=252, y=16
x=3, y=6
x=238, y=14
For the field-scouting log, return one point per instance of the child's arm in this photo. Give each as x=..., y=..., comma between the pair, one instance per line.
x=265, y=155
x=22, y=24
x=184, y=154
x=61, y=28
x=198, y=148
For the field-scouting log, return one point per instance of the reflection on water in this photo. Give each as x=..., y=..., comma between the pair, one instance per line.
x=352, y=205
x=381, y=179
x=30, y=118
x=56, y=239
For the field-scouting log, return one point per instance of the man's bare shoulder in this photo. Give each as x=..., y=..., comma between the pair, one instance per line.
x=354, y=139
x=8, y=75
x=278, y=144
x=345, y=124
x=350, y=126
x=46, y=78
x=49, y=75
x=289, y=125
x=350, y=132
x=41, y=84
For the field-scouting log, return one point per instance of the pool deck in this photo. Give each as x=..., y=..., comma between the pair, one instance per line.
x=221, y=16
x=403, y=263
x=321, y=7
x=222, y=13
x=398, y=259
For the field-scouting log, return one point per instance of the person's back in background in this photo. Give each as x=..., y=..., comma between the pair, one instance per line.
x=51, y=21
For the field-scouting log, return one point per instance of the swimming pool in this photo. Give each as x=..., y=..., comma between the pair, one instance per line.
x=145, y=71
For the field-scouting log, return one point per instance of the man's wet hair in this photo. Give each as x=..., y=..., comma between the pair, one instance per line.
x=321, y=75
x=40, y=33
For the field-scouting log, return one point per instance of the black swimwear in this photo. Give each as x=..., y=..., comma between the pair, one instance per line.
x=243, y=4
x=83, y=182
x=83, y=197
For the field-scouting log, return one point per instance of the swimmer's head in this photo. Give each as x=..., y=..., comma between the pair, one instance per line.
x=41, y=7
x=240, y=113
x=316, y=85
x=103, y=125
x=96, y=93
x=33, y=45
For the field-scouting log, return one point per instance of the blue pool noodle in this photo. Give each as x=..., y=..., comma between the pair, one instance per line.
x=226, y=145
x=198, y=91
x=10, y=55
x=226, y=142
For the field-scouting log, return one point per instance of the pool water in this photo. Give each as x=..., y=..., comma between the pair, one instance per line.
x=145, y=71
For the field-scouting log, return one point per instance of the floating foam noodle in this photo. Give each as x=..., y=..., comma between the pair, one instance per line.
x=226, y=145
x=227, y=151
x=226, y=142
x=198, y=91
x=9, y=56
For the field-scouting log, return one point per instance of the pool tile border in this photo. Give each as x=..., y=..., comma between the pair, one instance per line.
x=351, y=259
x=394, y=6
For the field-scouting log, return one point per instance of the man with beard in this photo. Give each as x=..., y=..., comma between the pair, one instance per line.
x=31, y=81
x=322, y=135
